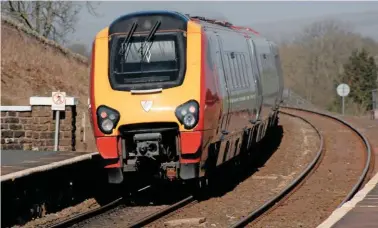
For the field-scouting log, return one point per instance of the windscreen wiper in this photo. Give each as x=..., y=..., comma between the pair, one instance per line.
x=150, y=35
x=127, y=41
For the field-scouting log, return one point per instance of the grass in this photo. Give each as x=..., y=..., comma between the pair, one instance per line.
x=34, y=66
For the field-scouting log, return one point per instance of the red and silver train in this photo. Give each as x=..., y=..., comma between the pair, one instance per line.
x=177, y=96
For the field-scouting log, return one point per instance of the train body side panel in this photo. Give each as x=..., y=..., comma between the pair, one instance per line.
x=230, y=55
x=269, y=76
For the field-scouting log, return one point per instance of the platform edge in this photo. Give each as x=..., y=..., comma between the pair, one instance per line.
x=340, y=212
x=18, y=174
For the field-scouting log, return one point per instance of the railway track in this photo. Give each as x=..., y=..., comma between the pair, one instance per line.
x=96, y=211
x=279, y=199
x=82, y=217
x=267, y=207
x=160, y=214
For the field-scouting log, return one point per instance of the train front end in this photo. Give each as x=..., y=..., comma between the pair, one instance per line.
x=145, y=95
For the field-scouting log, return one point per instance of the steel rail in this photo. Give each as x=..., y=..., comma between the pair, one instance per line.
x=163, y=212
x=94, y=212
x=86, y=215
x=259, y=211
x=369, y=152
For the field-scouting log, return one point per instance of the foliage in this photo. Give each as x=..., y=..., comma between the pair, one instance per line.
x=313, y=64
x=360, y=73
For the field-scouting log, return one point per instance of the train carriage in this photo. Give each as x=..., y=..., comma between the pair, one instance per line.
x=175, y=96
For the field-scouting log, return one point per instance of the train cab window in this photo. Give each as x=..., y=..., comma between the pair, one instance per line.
x=159, y=63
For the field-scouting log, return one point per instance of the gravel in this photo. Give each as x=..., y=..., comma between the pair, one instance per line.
x=49, y=219
x=286, y=154
x=328, y=185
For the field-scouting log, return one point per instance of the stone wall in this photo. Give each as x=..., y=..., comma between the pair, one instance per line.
x=33, y=128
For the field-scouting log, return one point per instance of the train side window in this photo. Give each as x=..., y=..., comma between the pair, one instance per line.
x=240, y=79
x=228, y=71
x=240, y=75
x=209, y=53
x=241, y=69
x=263, y=62
x=235, y=75
x=232, y=79
x=245, y=71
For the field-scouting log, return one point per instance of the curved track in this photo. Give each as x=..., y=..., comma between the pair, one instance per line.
x=81, y=217
x=291, y=188
x=153, y=217
x=117, y=202
x=267, y=206
x=369, y=156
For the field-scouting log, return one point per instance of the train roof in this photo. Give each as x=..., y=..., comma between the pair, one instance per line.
x=185, y=18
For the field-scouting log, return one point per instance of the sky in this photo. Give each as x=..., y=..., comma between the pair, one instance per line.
x=242, y=13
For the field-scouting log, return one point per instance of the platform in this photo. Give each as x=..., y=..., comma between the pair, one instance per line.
x=18, y=163
x=361, y=211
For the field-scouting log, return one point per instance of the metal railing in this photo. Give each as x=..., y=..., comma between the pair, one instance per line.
x=292, y=99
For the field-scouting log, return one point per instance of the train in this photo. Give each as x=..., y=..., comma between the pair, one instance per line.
x=177, y=96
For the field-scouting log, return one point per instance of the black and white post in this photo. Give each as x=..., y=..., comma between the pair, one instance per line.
x=343, y=91
x=58, y=104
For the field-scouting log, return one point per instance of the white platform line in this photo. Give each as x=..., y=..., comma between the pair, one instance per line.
x=16, y=108
x=42, y=168
x=346, y=207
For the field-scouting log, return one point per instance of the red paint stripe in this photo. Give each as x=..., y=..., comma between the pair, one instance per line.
x=108, y=147
x=190, y=142
x=95, y=129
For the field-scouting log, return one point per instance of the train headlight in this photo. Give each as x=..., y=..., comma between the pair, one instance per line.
x=107, y=125
x=188, y=114
x=107, y=119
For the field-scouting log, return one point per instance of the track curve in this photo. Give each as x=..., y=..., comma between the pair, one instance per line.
x=289, y=188
x=369, y=156
x=362, y=177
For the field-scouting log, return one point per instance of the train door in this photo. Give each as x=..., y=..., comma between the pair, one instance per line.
x=256, y=79
x=223, y=128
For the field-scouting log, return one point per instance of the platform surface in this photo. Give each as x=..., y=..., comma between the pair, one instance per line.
x=16, y=163
x=364, y=214
x=361, y=211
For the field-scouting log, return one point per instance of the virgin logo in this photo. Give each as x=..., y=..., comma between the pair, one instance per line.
x=146, y=105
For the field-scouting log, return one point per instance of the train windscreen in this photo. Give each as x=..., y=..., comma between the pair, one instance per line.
x=141, y=64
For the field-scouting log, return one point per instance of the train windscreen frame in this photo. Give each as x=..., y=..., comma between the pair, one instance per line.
x=139, y=27
x=159, y=63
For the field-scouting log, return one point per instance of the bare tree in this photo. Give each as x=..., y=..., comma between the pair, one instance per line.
x=51, y=19
x=313, y=62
